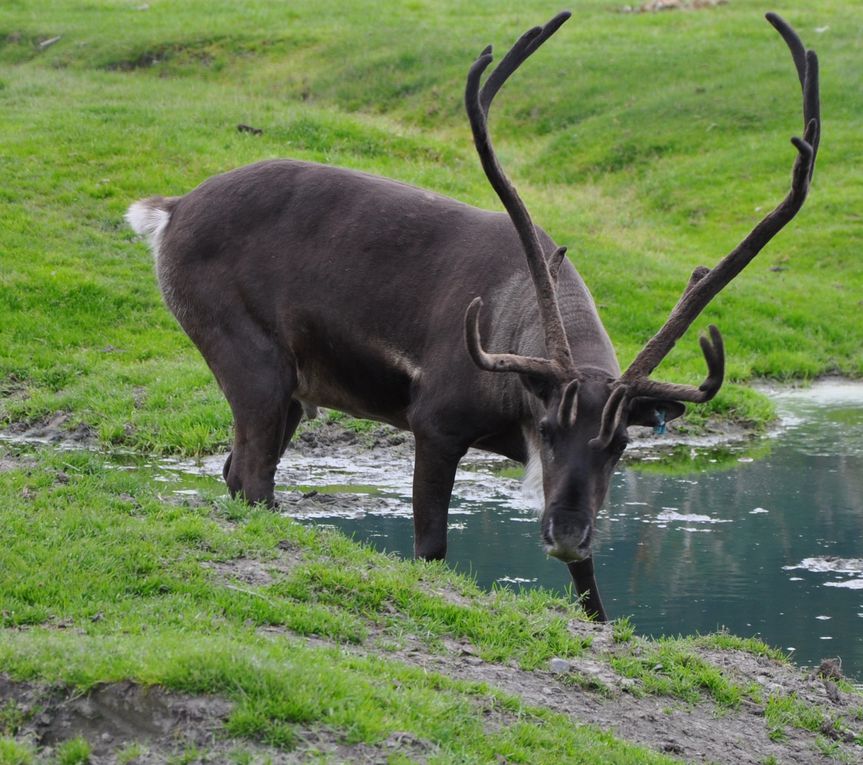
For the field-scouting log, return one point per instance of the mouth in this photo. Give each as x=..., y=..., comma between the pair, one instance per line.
x=568, y=555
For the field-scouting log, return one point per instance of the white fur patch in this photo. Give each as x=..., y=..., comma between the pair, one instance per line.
x=148, y=221
x=531, y=488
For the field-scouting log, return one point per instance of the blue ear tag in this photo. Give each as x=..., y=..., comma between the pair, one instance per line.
x=659, y=428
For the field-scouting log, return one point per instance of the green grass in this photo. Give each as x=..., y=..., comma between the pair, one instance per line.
x=789, y=710
x=14, y=752
x=647, y=143
x=623, y=630
x=102, y=580
x=669, y=667
x=725, y=641
x=75, y=751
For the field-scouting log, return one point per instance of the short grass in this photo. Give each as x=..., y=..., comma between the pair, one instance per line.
x=669, y=667
x=106, y=575
x=102, y=579
x=649, y=143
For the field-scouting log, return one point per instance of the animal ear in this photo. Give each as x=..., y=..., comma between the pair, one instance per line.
x=653, y=412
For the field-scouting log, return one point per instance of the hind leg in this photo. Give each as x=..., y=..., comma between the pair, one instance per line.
x=258, y=379
x=261, y=410
x=295, y=414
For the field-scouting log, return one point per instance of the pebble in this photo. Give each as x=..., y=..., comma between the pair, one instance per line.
x=559, y=666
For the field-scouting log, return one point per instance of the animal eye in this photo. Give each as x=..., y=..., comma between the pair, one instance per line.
x=544, y=430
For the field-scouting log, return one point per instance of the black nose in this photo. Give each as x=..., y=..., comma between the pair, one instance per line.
x=567, y=534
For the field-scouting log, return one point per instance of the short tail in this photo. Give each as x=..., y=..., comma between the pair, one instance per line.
x=150, y=217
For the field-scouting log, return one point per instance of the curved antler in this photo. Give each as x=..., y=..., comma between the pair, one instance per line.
x=501, y=362
x=477, y=103
x=707, y=283
x=714, y=354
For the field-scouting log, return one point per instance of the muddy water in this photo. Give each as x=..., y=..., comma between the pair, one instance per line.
x=765, y=540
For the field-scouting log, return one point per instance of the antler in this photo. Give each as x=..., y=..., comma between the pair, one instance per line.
x=705, y=283
x=478, y=102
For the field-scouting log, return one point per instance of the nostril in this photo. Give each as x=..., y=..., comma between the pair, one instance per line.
x=546, y=534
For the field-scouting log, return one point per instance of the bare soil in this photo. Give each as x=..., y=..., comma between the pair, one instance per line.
x=161, y=724
x=151, y=726
x=590, y=692
x=56, y=429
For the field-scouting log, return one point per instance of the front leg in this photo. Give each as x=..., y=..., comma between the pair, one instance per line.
x=585, y=586
x=434, y=473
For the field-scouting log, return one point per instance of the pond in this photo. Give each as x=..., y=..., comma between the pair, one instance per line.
x=763, y=539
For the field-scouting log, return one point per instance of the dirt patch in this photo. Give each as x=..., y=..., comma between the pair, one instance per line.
x=654, y=6
x=111, y=717
x=322, y=436
x=56, y=429
x=317, y=504
x=589, y=691
x=200, y=52
x=12, y=461
x=257, y=573
x=148, y=725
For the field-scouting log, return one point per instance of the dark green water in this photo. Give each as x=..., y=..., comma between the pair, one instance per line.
x=765, y=541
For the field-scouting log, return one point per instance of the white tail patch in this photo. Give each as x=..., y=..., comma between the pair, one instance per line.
x=148, y=220
x=531, y=488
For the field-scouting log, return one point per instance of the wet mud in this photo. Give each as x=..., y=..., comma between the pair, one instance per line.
x=147, y=725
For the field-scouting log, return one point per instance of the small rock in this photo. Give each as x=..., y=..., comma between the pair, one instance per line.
x=559, y=666
x=242, y=128
x=832, y=691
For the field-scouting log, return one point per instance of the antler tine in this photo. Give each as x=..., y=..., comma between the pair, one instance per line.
x=703, y=289
x=523, y=48
x=477, y=104
x=714, y=354
x=500, y=362
x=794, y=43
x=807, y=72
x=554, y=262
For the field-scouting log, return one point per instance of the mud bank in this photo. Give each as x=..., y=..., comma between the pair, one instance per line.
x=147, y=725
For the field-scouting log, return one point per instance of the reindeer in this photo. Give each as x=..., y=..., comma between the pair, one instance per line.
x=304, y=285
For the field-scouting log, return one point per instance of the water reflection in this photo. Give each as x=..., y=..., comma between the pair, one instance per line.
x=770, y=546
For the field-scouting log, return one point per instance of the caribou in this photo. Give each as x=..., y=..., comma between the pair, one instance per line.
x=305, y=285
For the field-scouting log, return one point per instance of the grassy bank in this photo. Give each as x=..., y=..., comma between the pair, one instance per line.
x=103, y=578
x=648, y=143
x=300, y=641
